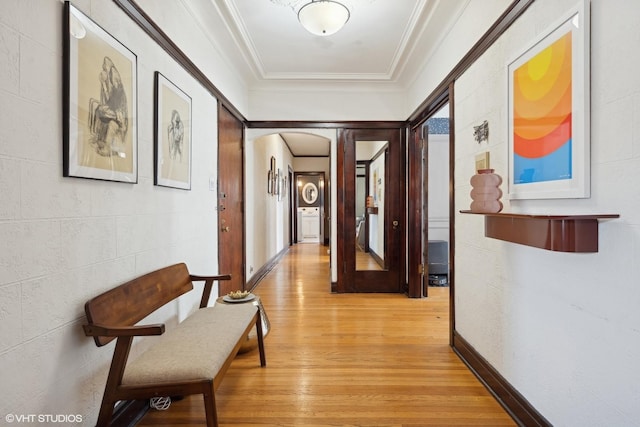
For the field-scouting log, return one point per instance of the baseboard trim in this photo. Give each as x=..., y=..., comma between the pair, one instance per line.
x=265, y=269
x=511, y=400
x=129, y=412
x=377, y=258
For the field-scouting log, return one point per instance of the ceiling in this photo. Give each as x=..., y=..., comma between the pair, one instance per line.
x=384, y=42
x=304, y=144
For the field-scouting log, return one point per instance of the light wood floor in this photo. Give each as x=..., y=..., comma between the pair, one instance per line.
x=344, y=360
x=365, y=261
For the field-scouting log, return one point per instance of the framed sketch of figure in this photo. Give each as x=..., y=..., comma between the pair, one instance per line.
x=100, y=105
x=172, y=135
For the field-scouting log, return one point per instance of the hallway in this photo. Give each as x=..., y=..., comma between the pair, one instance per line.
x=344, y=360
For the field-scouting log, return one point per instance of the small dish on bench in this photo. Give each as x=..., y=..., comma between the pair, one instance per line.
x=238, y=296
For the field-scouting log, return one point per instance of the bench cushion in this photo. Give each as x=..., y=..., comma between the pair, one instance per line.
x=194, y=350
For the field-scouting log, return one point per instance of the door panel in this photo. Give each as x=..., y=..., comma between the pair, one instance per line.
x=230, y=201
x=417, y=206
x=430, y=197
x=384, y=221
x=424, y=208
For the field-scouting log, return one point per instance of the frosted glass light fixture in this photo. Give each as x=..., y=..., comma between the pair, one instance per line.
x=323, y=17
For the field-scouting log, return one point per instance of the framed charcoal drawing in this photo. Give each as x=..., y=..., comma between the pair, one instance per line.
x=100, y=105
x=271, y=177
x=172, y=135
x=548, y=112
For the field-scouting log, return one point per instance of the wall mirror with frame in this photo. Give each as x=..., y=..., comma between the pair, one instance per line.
x=310, y=193
x=370, y=219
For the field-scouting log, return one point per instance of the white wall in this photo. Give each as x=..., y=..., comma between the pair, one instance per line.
x=182, y=21
x=474, y=21
x=438, y=202
x=563, y=328
x=312, y=164
x=332, y=102
x=65, y=240
x=267, y=218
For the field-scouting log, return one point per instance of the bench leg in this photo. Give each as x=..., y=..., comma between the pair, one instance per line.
x=105, y=414
x=116, y=371
x=263, y=359
x=210, y=406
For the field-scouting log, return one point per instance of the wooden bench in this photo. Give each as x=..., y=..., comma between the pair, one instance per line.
x=188, y=359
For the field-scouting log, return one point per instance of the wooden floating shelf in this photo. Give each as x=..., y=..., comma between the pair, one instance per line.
x=372, y=211
x=560, y=233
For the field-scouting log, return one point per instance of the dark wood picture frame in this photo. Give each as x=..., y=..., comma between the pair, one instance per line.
x=99, y=102
x=272, y=177
x=172, y=135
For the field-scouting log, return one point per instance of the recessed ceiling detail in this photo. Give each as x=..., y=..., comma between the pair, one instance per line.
x=382, y=41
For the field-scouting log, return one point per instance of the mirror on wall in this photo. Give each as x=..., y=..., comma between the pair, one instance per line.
x=370, y=247
x=310, y=193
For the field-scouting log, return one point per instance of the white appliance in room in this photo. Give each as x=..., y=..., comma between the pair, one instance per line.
x=309, y=224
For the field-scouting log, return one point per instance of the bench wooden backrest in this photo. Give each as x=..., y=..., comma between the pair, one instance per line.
x=131, y=302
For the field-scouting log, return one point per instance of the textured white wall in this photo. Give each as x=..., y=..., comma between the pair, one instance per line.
x=65, y=240
x=563, y=328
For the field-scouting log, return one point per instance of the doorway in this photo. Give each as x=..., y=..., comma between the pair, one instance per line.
x=291, y=206
x=370, y=226
x=430, y=201
x=231, y=216
x=310, y=207
x=436, y=135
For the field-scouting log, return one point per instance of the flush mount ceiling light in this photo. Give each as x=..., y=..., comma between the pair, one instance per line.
x=323, y=17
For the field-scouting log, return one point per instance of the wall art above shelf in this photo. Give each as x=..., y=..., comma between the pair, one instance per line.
x=560, y=233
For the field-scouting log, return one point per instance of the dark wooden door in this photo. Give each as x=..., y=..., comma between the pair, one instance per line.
x=389, y=217
x=231, y=253
x=417, y=213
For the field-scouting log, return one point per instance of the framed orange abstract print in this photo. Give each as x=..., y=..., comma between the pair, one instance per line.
x=549, y=155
